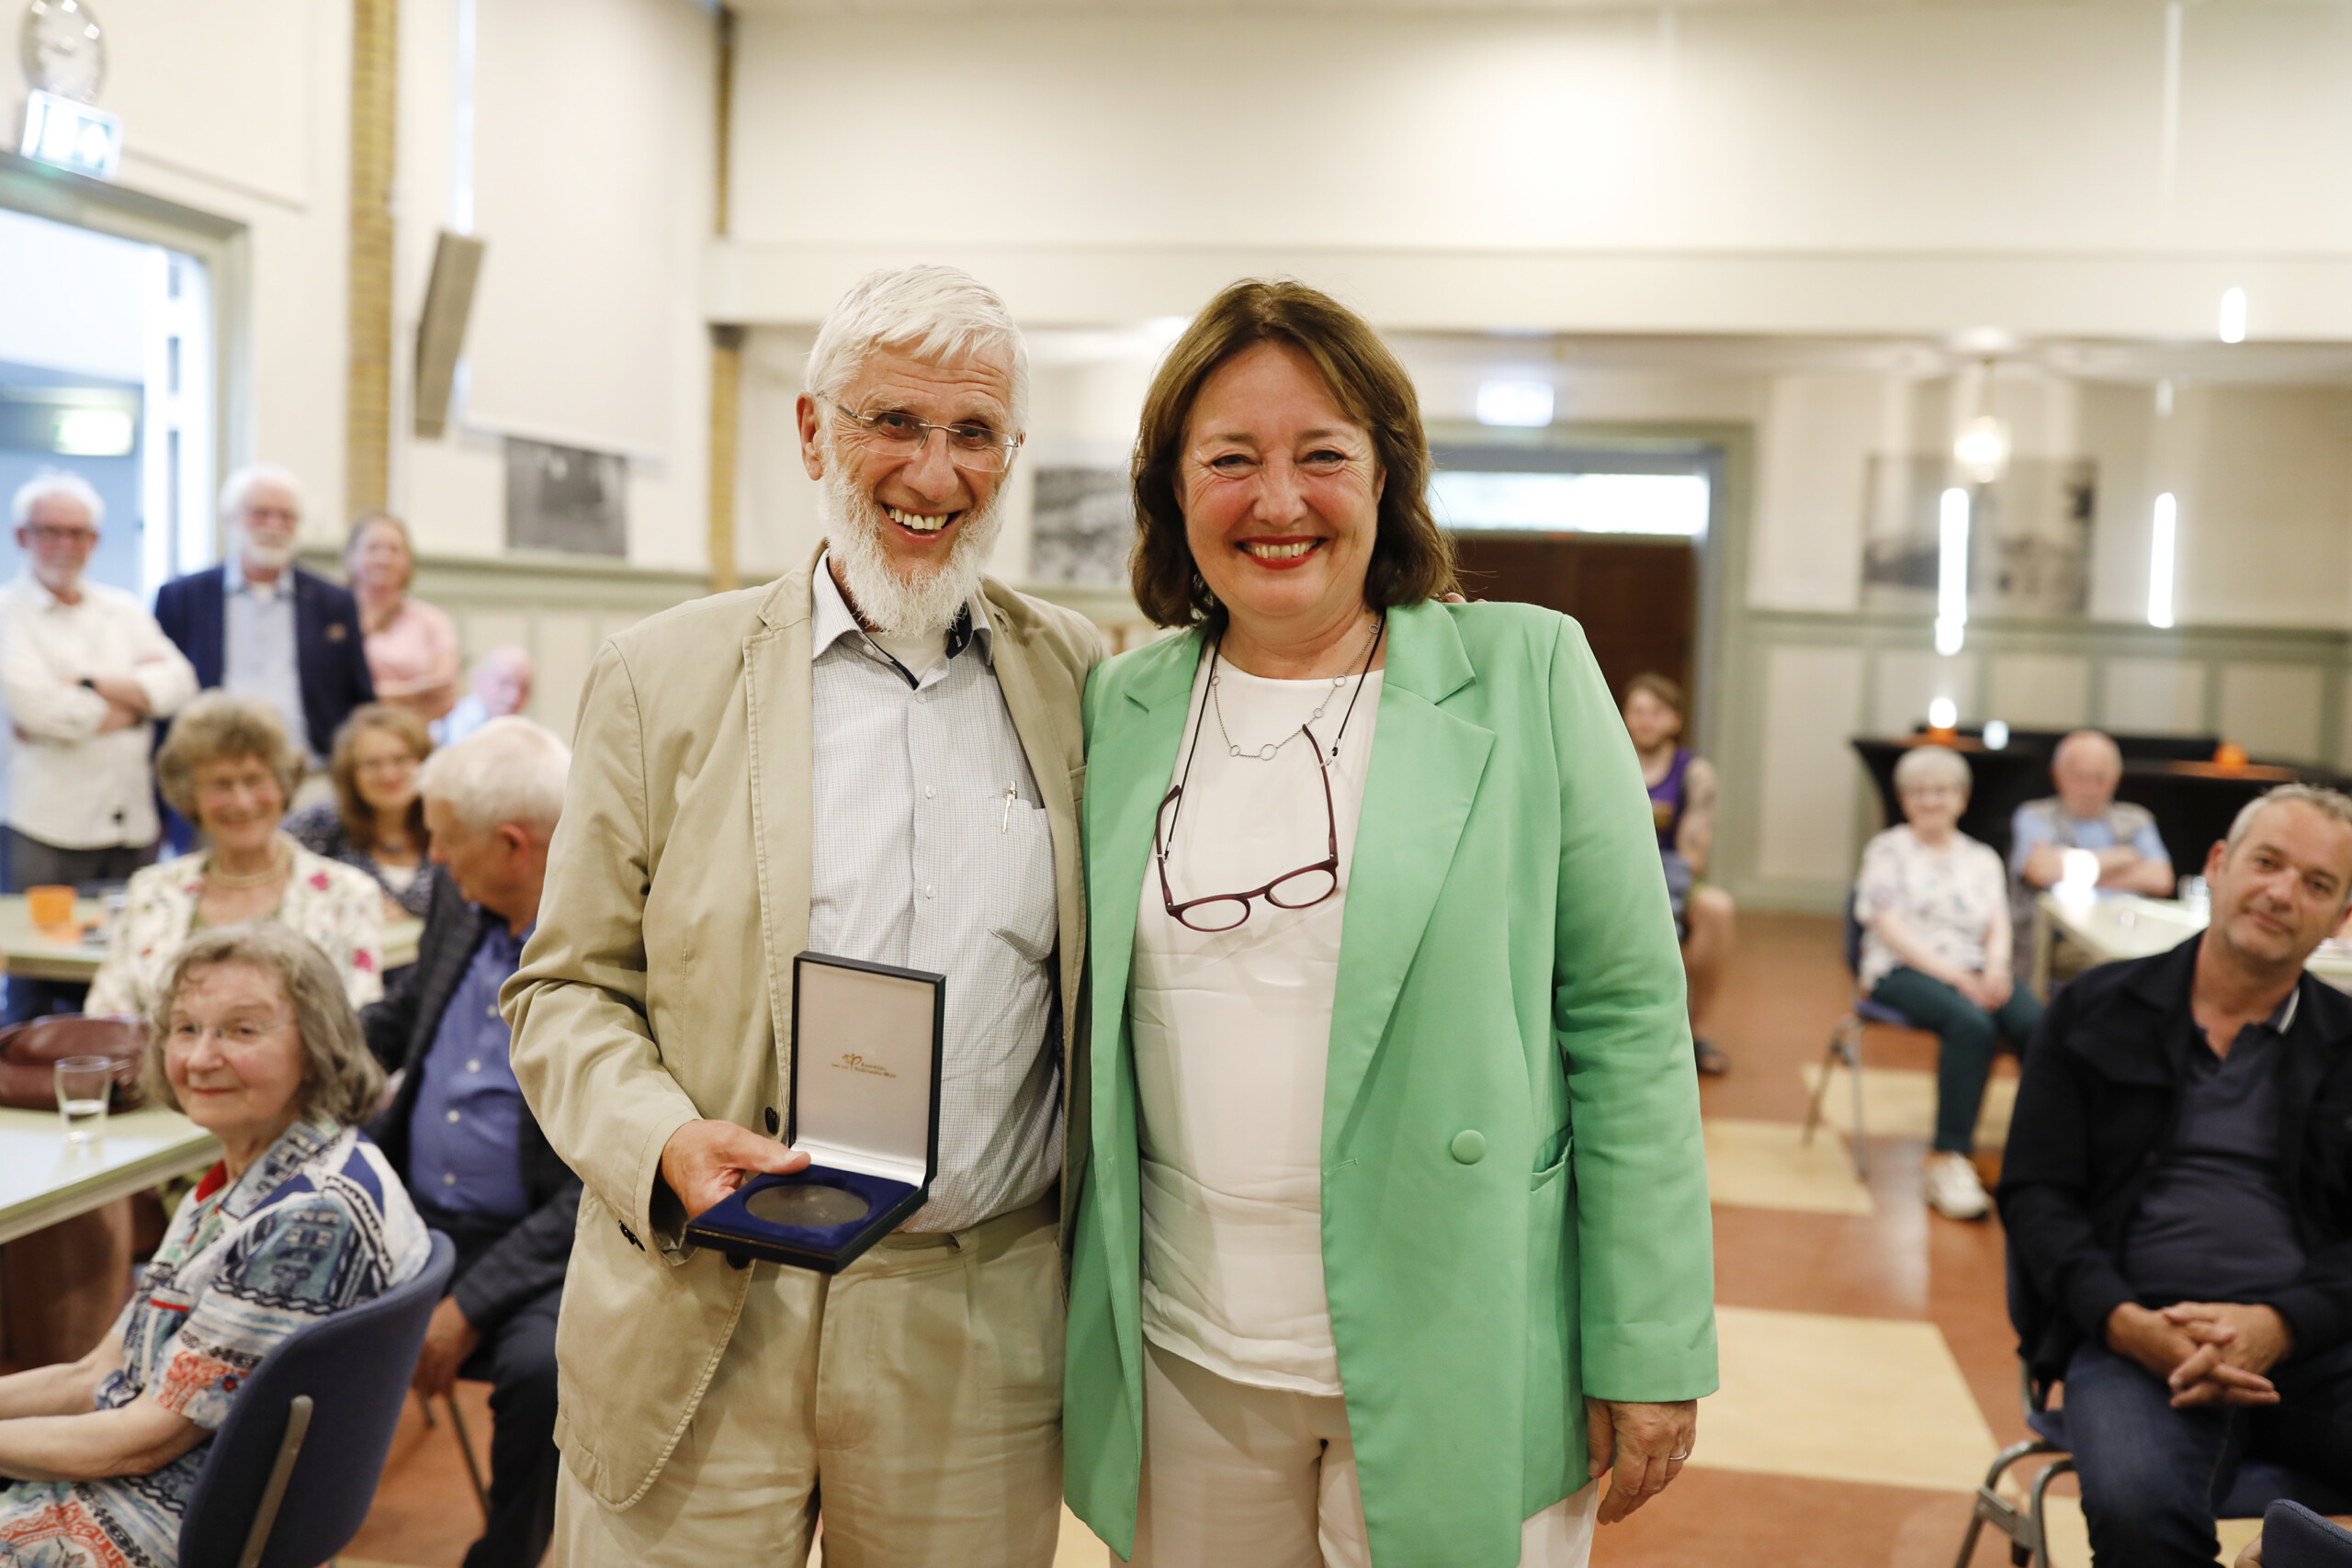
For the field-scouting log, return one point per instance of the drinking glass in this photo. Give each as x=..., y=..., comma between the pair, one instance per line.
x=83, y=1086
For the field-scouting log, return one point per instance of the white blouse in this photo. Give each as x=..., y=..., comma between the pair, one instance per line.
x=1949, y=897
x=1231, y=1033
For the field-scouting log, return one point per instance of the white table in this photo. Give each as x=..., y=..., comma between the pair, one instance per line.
x=2128, y=926
x=44, y=1180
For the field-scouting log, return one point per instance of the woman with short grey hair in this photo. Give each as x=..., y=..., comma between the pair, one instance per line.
x=1933, y=904
x=303, y=1217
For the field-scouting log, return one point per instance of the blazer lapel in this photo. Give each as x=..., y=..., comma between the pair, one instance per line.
x=1426, y=764
x=780, y=741
x=1047, y=740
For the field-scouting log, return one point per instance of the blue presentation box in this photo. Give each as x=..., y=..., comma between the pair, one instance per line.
x=864, y=1107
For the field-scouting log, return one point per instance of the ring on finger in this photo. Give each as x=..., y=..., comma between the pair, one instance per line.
x=1683, y=1455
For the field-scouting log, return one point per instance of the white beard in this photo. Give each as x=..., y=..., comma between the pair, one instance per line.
x=893, y=599
x=269, y=558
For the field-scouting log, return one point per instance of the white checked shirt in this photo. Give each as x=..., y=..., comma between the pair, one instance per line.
x=68, y=785
x=920, y=860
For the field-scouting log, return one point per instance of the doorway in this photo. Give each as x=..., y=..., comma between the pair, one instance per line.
x=1609, y=537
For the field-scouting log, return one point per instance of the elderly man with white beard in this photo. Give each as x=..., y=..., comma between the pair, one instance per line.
x=876, y=757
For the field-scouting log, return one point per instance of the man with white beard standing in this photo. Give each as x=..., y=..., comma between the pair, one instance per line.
x=876, y=757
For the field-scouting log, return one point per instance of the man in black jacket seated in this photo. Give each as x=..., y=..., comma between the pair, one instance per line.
x=2178, y=1192
x=458, y=1131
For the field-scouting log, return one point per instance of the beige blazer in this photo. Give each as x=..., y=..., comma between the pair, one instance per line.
x=677, y=894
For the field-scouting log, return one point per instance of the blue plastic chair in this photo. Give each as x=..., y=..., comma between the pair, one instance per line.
x=2295, y=1536
x=1846, y=1043
x=2260, y=1490
x=291, y=1474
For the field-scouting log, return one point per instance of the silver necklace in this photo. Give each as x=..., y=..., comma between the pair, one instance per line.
x=1273, y=749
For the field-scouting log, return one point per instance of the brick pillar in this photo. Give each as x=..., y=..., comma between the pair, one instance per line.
x=726, y=419
x=368, y=394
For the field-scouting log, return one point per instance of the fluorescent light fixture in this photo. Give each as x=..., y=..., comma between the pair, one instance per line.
x=2232, y=323
x=1165, y=330
x=92, y=433
x=2164, y=397
x=1942, y=714
x=1983, y=449
x=1997, y=735
x=1951, y=572
x=1525, y=403
x=1670, y=505
x=2160, y=560
x=71, y=136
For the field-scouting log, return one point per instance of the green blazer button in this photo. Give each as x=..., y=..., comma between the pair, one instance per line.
x=1470, y=1145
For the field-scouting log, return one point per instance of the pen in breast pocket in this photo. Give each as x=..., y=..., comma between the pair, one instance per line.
x=1006, y=826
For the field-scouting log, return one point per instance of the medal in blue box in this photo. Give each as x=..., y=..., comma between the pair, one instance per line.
x=863, y=1107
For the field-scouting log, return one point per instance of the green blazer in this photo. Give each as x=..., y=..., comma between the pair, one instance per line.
x=1514, y=1193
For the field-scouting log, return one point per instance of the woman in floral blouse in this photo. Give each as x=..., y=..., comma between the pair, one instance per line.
x=302, y=1218
x=229, y=768
x=1934, y=906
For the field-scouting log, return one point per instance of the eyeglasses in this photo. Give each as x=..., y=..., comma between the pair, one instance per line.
x=972, y=445
x=53, y=533
x=1300, y=889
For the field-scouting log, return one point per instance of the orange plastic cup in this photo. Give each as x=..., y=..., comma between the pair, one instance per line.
x=50, y=906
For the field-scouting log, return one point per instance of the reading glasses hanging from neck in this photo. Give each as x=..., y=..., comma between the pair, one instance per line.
x=970, y=445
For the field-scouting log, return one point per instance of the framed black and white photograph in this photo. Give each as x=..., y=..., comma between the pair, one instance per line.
x=566, y=498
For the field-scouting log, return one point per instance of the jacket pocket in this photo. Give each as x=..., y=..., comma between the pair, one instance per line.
x=1552, y=1159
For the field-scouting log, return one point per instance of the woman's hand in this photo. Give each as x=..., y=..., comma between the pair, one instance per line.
x=1642, y=1447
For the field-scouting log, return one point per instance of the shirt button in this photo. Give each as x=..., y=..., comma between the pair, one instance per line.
x=453, y=1118
x=449, y=1178
x=929, y=891
x=928, y=792
x=473, y=1067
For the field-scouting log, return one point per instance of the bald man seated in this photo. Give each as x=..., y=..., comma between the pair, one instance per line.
x=2084, y=815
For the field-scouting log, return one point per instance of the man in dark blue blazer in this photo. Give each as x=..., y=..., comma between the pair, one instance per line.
x=236, y=622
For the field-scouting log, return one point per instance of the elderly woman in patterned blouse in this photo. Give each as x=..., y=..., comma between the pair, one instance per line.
x=303, y=1217
x=229, y=768
x=1934, y=905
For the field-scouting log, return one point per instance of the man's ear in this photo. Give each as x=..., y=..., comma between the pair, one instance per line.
x=812, y=445
x=516, y=837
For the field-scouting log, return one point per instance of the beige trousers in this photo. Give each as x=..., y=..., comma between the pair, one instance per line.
x=915, y=1398
x=1237, y=1476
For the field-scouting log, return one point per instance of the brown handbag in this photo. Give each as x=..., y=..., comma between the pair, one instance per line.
x=29, y=1052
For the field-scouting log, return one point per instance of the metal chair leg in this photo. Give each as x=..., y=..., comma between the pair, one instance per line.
x=1854, y=1075
x=466, y=1447
x=1829, y=1059
x=1991, y=1508
x=2041, y=1545
x=273, y=1493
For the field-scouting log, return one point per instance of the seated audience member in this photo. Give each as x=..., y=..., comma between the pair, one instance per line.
x=376, y=822
x=2176, y=1198
x=229, y=768
x=85, y=670
x=261, y=626
x=1682, y=804
x=502, y=686
x=412, y=648
x=2085, y=814
x=1935, y=915
x=253, y=1039
x=458, y=1131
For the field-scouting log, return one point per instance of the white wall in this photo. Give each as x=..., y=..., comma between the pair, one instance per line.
x=1817, y=169
x=592, y=172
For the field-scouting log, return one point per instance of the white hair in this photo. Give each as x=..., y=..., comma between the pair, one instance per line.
x=936, y=313
x=1931, y=765
x=48, y=485
x=240, y=486
x=508, y=771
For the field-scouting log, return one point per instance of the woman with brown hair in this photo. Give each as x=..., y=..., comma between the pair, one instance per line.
x=1393, y=1231
x=376, y=822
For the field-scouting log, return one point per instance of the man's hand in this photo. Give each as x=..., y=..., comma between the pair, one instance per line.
x=2148, y=1339
x=448, y=1340
x=1641, y=1445
x=2236, y=1345
x=118, y=717
x=2044, y=865
x=705, y=1161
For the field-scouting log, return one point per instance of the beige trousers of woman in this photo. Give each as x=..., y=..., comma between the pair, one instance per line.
x=1237, y=1476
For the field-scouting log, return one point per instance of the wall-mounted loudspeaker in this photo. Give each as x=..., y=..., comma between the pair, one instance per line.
x=441, y=333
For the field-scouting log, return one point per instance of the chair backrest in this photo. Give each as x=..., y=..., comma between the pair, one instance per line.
x=1853, y=937
x=2294, y=1537
x=354, y=1366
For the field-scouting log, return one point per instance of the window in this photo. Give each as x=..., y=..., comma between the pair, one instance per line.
x=1483, y=499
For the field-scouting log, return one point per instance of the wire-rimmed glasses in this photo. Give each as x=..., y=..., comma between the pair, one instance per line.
x=970, y=445
x=1300, y=889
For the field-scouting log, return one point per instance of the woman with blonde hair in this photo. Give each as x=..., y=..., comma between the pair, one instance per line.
x=227, y=767
x=412, y=648
x=376, y=821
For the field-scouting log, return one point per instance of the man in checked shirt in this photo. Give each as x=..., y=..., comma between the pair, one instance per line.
x=877, y=756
